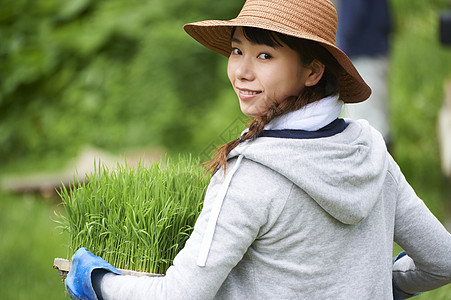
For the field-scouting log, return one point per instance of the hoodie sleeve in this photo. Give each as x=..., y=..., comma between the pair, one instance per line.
x=427, y=243
x=242, y=217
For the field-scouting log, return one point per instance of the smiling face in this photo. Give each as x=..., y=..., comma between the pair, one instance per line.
x=263, y=75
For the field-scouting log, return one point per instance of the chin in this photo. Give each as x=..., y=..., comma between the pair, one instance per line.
x=250, y=112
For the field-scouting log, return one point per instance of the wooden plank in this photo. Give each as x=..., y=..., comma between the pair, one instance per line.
x=63, y=266
x=47, y=183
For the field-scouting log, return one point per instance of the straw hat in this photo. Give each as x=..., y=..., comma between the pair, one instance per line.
x=314, y=20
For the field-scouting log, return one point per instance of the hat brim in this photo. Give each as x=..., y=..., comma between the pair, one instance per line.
x=216, y=34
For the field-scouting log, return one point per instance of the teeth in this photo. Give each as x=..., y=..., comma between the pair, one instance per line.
x=249, y=93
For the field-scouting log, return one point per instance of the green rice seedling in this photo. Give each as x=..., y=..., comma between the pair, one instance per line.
x=135, y=218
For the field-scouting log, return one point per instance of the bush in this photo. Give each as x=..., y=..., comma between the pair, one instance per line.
x=110, y=73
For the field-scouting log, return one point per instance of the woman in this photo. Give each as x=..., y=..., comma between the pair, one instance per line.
x=304, y=205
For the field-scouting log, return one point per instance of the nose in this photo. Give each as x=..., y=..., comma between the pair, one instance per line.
x=244, y=69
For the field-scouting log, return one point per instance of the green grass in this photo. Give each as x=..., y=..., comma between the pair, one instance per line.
x=29, y=241
x=136, y=218
x=443, y=293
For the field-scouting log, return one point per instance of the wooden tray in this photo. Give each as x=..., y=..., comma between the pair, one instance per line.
x=63, y=266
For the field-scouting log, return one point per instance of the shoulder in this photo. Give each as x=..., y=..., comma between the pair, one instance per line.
x=255, y=178
x=252, y=185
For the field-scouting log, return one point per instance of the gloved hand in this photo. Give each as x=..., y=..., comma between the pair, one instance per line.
x=78, y=281
x=397, y=293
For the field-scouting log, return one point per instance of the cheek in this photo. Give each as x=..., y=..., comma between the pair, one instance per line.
x=230, y=71
x=286, y=85
x=294, y=81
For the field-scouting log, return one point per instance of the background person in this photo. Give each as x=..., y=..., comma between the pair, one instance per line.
x=363, y=33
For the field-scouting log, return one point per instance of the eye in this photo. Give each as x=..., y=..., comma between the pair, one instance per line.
x=264, y=56
x=236, y=51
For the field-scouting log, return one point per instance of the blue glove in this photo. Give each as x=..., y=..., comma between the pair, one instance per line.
x=397, y=293
x=78, y=281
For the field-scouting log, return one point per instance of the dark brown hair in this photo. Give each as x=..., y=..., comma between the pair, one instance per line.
x=308, y=52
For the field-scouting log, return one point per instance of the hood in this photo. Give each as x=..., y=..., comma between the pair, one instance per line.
x=343, y=173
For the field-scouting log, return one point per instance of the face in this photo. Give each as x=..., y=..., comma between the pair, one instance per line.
x=262, y=75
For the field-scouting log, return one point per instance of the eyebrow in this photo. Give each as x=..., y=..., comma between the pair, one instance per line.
x=235, y=40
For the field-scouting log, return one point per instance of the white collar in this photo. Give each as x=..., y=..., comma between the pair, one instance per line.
x=311, y=117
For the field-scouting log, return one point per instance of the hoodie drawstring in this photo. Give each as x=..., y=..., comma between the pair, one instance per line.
x=214, y=215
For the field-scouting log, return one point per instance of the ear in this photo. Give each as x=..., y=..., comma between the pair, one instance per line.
x=316, y=73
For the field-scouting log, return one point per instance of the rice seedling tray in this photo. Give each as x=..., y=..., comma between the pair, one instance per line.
x=136, y=218
x=64, y=265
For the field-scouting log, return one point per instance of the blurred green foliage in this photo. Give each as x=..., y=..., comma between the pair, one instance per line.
x=420, y=66
x=110, y=73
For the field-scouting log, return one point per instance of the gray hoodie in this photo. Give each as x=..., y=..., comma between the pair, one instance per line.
x=304, y=219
